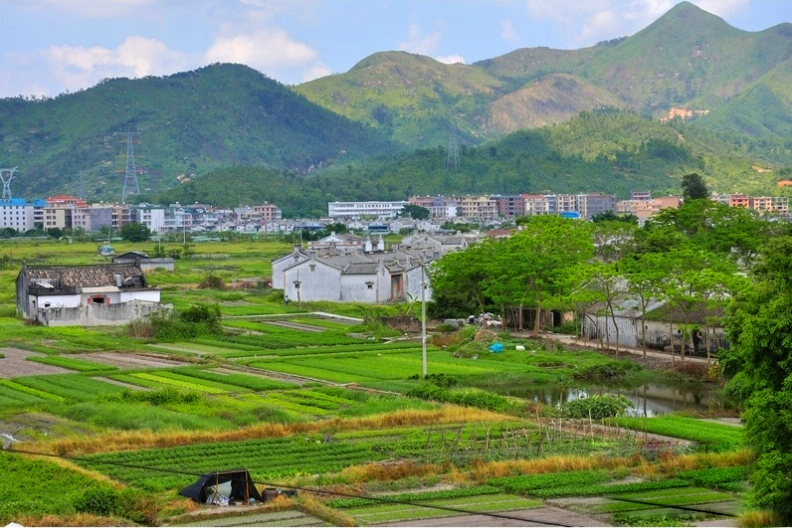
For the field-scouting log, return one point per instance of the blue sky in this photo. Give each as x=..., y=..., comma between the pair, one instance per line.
x=51, y=46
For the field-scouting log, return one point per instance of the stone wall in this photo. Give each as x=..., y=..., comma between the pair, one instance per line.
x=99, y=314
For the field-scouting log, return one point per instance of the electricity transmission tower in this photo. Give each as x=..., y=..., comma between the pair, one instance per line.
x=7, y=182
x=130, y=178
x=452, y=162
x=82, y=187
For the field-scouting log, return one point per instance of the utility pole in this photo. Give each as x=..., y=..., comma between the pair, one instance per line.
x=423, y=320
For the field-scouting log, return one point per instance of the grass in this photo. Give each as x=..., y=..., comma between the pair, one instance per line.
x=55, y=488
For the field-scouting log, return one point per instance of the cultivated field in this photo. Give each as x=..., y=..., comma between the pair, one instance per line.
x=334, y=407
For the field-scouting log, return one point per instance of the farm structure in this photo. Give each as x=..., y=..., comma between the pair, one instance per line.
x=660, y=321
x=144, y=261
x=93, y=295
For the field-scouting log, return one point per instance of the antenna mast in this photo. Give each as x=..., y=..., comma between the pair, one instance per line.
x=130, y=178
x=7, y=182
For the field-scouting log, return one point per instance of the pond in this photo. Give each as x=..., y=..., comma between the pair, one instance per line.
x=648, y=400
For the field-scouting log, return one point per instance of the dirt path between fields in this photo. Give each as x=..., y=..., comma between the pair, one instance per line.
x=15, y=364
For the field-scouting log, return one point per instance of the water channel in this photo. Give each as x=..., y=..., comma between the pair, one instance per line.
x=648, y=400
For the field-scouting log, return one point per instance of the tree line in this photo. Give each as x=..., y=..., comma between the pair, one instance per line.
x=729, y=264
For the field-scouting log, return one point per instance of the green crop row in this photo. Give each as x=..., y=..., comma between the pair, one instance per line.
x=311, y=372
x=211, y=384
x=686, y=428
x=316, y=350
x=10, y=384
x=715, y=477
x=397, y=512
x=255, y=383
x=681, y=500
x=163, y=379
x=583, y=490
x=71, y=363
x=70, y=386
x=416, y=496
x=531, y=483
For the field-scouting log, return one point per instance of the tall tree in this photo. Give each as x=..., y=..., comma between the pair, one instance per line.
x=759, y=326
x=693, y=187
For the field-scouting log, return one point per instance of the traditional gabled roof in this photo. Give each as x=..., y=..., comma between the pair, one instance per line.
x=90, y=276
x=131, y=255
x=361, y=268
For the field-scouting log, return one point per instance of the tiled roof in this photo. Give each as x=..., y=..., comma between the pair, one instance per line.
x=361, y=268
x=88, y=276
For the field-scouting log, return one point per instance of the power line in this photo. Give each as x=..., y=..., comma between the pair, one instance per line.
x=299, y=488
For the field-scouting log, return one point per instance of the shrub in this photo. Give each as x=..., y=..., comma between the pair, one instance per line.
x=212, y=282
x=163, y=397
x=597, y=407
x=99, y=501
x=606, y=373
x=195, y=321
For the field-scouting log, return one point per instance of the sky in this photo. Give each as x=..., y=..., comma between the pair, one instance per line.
x=48, y=47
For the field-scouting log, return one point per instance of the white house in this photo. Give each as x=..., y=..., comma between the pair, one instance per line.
x=105, y=294
x=376, y=277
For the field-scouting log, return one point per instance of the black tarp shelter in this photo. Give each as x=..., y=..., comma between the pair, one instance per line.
x=241, y=486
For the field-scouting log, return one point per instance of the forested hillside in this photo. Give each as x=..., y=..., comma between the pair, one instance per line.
x=184, y=124
x=688, y=62
x=611, y=151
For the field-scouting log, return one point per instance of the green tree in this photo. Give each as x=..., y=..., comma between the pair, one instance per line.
x=759, y=326
x=135, y=232
x=55, y=232
x=416, y=212
x=693, y=187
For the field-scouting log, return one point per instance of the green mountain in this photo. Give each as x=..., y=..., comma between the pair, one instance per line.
x=603, y=150
x=688, y=63
x=184, y=124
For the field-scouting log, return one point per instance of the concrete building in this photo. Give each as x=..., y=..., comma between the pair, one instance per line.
x=479, y=207
x=18, y=214
x=94, y=295
x=379, y=210
x=510, y=206
x=535, y=204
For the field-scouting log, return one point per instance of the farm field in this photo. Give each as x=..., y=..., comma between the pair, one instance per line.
x=329, y=405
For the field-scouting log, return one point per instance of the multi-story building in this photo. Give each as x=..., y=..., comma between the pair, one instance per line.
x=769, y=204
x=360, y=209
x=739, y=200
x=151, y=216
x=510, y=206
x=535, y=204
x=268, y=212
x=592, y=204
x=479, y=207
x=18, y=214
x=641, y=196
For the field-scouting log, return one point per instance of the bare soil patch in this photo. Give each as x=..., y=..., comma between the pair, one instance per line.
x=126, y=361
x=15, y=364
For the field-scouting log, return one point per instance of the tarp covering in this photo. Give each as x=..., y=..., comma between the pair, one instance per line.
x=209, y=485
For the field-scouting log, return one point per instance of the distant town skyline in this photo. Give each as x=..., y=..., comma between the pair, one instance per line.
x=48, y=47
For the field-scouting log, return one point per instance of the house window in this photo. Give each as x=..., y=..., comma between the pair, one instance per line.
x=370, y=285
x=312, y=266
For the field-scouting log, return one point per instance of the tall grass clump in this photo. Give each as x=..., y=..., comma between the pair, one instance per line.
x=196, y=321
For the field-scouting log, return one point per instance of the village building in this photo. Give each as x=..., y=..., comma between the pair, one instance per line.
x=93, y=295
x=145, y=262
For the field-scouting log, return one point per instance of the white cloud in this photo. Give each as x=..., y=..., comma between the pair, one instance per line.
x=315, y=72
x=77, y=67
x=451, y=59
x=508, y=33
x=262, y=50
x=415, y=43
x=722, y=8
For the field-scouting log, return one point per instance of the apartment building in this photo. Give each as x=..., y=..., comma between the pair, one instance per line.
x=359, y=209
x=18, y=214
x=479, y=207
x=535, y=204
